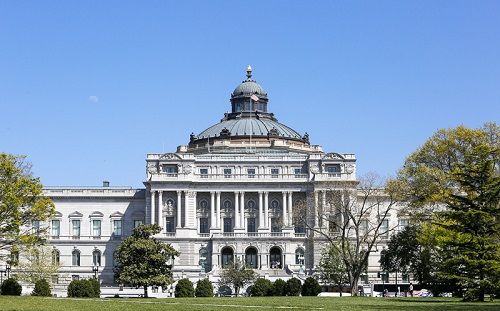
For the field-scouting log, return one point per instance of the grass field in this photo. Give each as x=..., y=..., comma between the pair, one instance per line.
x=265, y=303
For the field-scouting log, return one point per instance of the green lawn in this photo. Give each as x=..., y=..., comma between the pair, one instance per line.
x=265, y=303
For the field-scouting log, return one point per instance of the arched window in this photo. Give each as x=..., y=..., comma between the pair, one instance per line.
x=227, y=257
x=251, y=257
x=56, y=256
x=299, y=256
x=96, y=257
x=204, y=260
x=75, y=256
x=275, y=258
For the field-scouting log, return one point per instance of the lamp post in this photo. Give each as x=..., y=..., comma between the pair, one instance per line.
x=382, y=275
x=7, y=268
x=95, y=269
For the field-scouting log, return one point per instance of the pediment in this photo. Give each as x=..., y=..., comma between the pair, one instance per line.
x=116, y=214
x=96, y=214
x=75, y=214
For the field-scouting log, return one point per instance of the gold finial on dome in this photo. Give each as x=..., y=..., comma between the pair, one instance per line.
x=249, y=72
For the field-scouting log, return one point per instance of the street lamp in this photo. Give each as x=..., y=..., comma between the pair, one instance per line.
x=7, y=268
x=95, y=269
x=382, y=275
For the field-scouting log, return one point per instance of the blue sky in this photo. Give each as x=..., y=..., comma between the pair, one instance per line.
x=88, y=88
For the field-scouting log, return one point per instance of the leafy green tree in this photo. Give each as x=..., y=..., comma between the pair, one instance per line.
x=204, y=288
x=142, y=260
x=42, y=288
x=21, y=203
x=408, y=252
x=184, y=288
x=262, y=287
x=332, y=268
x=237, y=275
x=311, y=287
x=455, y=174
x=293, y=287
x=11, y=287
x=279, y=288
x=86, y=288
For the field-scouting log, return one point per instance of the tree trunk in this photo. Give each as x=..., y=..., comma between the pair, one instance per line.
x=236, y=291
x=354, y=286
x=340, y=288
x=145, y=291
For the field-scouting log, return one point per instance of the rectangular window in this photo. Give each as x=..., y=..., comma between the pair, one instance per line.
x=55, y=228
x=75, y=277
x=403, y=223
x=297, y=172
x=169, y=224
x=76, y=228
x=333, y=170
x=251, y=225
x=203, y=225
x=227, y=173
x=204, y=172
x=363, y=227
x=251, y=173
x=96, y=228
x=228, y=225
x=137, y=223
x=275, y=172
x=117, y=227
x=170, y=169
x=35, y=226
x=384, y=229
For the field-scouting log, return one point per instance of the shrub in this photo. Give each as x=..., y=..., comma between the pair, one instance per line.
x=311, y=287
x=42, y=288
x=262, y=287
x=204, y=288
x=184, y=288
x=471, y=294
x=279, y=288
x=89, y=288
x=293, y=287
x=11, y=287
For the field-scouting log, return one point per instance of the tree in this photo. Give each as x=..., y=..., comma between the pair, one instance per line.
x=37, y=262
x=293, y=287
x=262, y=287
x=237, y=275
x=332, y=269
x=279, y=288
x=204, y=288
x=455, y=174
x=184, y=288
x=21, y=203
x=311, y=287
x=357, y=216
x=42, y=288
x=142, y=260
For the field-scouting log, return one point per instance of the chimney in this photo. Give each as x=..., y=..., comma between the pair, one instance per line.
x=105, y=184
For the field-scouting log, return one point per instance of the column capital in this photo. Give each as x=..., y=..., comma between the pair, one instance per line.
x=212, y=192
x=260, y=192
x=179, y=192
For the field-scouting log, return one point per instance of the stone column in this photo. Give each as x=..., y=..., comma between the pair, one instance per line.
x=190, y=210
x=324, y=221
x=261, y=210
x=217, y=203
x=266, y=209
x=179, y=209
x=315, y=210
x=161, y=220
x=212, y=210
x=290, y=209
x=284, y=209
x=242, y=210
x=236, y=211
x=152, y=207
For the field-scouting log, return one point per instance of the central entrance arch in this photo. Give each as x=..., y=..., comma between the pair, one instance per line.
x=275, y=258
x=251, y=258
